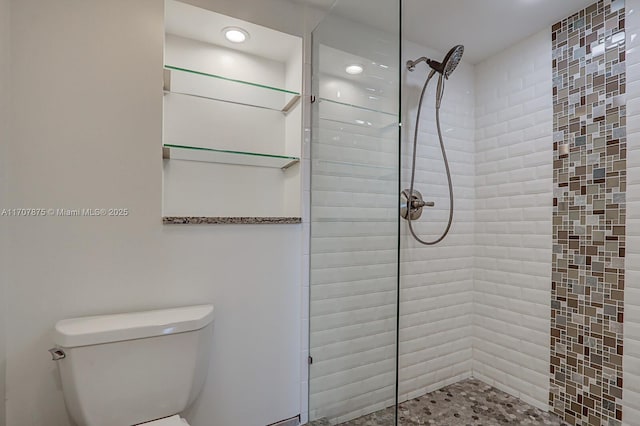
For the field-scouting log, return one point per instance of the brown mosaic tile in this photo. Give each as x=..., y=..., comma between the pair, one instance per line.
x=589, y=215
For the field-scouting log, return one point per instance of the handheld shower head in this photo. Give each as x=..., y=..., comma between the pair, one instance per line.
x=411, y=211
x=451, y=61
x=448, y=64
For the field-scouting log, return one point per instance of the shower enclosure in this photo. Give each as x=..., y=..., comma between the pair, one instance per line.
x=355, y=230
x=522, y=305
x=390, y=318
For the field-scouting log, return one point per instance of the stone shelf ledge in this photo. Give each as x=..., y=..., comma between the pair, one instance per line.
x=199, y=220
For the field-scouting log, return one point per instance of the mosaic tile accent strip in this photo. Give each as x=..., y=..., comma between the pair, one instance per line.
x=589, y=215
x=469, y=402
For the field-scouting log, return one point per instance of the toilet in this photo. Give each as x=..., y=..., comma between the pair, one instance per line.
x=141, y=368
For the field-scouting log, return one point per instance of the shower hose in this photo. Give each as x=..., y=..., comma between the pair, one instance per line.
x=439, y=93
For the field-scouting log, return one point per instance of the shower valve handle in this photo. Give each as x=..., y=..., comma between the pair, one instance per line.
x=418, y=204
x=413, y=209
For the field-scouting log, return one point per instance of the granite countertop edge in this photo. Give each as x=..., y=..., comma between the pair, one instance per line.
x=205, y=220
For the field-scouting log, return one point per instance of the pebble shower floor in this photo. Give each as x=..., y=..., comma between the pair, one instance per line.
x=469, y=402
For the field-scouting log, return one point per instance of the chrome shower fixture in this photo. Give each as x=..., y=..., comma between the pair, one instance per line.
x=411, y=204
x=448, y=64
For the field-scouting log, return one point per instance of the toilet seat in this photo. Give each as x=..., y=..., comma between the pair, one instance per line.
x=167, y=421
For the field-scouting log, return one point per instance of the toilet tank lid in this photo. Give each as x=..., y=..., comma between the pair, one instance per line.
x=100, y=329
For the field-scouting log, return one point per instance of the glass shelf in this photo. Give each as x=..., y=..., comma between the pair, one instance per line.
x=343, y=169
x=183, y=81
x=354, y=115
x=210, y=155
x=358, y=107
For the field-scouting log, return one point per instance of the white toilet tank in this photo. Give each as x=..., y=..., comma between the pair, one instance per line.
x=126, y=369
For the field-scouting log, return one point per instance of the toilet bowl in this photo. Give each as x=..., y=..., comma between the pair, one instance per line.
x=140, y=368
x=167, y=421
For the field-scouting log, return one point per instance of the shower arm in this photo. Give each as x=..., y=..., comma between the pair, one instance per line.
x=433, y=64
x=412, y=64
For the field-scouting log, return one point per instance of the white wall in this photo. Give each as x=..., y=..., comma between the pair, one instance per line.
x=437, y=281
x=86, y=131
x=512, y=274
x=631, y=360
x=293, y=134
x=4, y=251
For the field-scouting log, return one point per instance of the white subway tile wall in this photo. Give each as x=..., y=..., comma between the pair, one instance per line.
x=512, y=267
x=631, y=359
x=436, y=281
x=354, y=245
x=478, y=303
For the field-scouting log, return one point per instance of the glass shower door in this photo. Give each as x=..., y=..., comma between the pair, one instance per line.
x=354, y=214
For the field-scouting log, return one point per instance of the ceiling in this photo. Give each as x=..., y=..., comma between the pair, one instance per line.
x=484, y=27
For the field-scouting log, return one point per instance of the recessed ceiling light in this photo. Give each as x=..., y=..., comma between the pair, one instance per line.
x=354, y=69
x=235, y=34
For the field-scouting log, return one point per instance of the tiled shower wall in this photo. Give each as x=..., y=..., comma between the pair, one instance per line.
x=359, y=307
x=354, y=244
x=512, y=270
x=436, y=282
x=589, y=214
